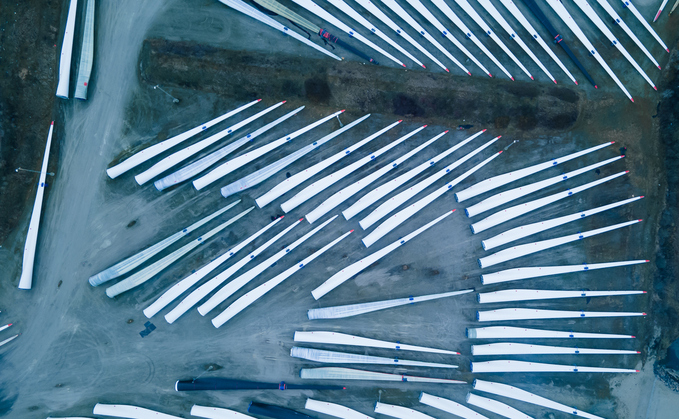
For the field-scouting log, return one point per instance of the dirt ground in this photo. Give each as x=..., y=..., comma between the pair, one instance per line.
x=29, y=34
x=78, y=347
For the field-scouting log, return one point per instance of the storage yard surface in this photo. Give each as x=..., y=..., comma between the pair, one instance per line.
x=78, y=347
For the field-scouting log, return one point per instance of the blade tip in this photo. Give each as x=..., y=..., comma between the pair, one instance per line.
x=446, y=132
x=485, y=129
x=259, y=100
x=52, y=123
x=512, y=78
x=284, y=101
x=301, y=219
x=342, y=111
x=424, y=126
x=351, y=231
x=400, y=120
x=576, y=83
x=532, y=78
x=447, y=70
x=469, y=73
x=403, y=65
x=424, y=66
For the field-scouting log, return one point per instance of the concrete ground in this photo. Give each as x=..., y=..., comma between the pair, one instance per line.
x=78, y=347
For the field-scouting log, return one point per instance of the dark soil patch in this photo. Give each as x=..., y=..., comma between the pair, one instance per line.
x=28, y=66
x=666, y=288
x=245, y=75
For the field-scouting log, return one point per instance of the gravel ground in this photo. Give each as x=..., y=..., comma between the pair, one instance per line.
x=79, y=347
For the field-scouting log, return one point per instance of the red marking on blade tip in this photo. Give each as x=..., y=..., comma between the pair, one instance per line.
x=424, y=66
x=284, y=101
x=351, y=231
x=512, y=78
x=259, y=100
x=342, y=110
x=655, y=88
x=400, y=120
x=446, y=132
x=595, y=86
x=52, y=123
x=447, y=70
x=301, y=219
x=403, y=65
x=531, y=77
x=424, y=126
x=468, y=72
